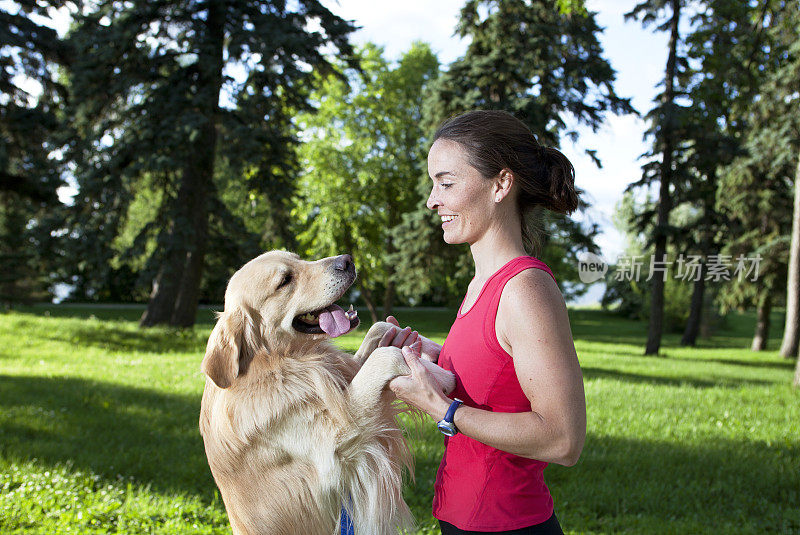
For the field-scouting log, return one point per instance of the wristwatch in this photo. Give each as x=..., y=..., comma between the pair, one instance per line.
x=446, y=425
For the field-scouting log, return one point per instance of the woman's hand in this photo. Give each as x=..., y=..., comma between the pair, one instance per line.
x=398, y=337
x=405, y=337
x=420, y=389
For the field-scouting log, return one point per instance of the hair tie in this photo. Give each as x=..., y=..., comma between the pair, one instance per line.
x=542, y=152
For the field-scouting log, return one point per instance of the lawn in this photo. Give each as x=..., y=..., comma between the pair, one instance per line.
x=98, y=429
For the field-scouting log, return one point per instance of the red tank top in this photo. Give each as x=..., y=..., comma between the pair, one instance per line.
x=480, y=488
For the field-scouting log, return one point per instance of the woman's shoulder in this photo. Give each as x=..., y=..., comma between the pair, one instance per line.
x=525, y=263
x=530, y=290
x=531, y=308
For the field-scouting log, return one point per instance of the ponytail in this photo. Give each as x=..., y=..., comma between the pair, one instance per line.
x=563, y=198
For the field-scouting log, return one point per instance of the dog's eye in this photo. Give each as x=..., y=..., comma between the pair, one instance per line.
x=286, y=280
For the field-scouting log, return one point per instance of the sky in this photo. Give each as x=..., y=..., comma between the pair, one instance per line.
x=636, y=53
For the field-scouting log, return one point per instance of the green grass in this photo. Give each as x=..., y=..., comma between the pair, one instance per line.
x=98, y=429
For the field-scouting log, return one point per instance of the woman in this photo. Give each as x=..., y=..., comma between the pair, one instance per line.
x=510, y=346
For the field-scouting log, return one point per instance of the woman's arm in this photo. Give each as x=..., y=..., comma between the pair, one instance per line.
x=533, y=324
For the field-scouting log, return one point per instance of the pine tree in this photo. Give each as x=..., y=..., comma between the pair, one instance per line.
x=664, y=119
x=154, y=99
x=779, y=108
x=725, y=60
x=30, y=96
x=778, y=125
x=769, y=168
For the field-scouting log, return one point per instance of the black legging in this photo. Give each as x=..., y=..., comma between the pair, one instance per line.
x=548, y=527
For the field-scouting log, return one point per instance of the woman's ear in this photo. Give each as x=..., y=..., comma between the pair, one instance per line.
x=224, y=349
x=502, y=184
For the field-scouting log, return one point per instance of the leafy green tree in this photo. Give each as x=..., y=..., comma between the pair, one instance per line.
x=767, y=170
x=241, y=225
x=546, y=68
x=154, y=98
x=30, y=96
x=571, y=6
x=361, y=159
x=718, y=68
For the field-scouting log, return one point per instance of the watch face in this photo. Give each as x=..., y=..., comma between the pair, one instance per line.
x=447, y=428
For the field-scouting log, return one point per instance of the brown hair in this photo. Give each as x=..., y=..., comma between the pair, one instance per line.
x=496, y=140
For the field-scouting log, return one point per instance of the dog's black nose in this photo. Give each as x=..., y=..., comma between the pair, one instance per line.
x=343, y=263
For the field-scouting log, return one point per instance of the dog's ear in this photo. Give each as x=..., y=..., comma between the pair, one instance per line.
x=224, y=349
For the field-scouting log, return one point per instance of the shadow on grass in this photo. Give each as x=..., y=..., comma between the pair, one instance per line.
x=785, y=364
x=614, y=350
x=115, y=312
x=113, y=337
x=722, y=382
x=719, y=486
x=108, y=429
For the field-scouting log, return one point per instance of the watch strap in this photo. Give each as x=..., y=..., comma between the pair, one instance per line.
x=451, y=410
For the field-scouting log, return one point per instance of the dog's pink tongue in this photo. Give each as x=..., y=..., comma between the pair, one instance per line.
x=333, y=321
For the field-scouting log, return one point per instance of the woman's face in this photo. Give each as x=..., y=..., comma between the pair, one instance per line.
x=461, y=196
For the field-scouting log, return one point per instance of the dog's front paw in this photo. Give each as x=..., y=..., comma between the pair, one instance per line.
x=382, y=365
x=389, y=362
x=372, y=339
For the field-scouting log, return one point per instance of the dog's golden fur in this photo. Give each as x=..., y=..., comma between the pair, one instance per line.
x=293, y=428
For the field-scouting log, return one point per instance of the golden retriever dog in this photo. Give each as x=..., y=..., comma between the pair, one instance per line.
x=295, y=429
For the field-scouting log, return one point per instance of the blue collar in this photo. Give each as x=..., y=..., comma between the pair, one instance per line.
x=347, y=524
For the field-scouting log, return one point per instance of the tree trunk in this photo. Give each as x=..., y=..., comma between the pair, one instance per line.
x=165, y=286
x=366, y=294
x=695, y=311
x=656, y=325
x=797, y=374
x=185, y=309
x=697, y=305
x=388, y=298
x=389, y=292
x=177, y=288
x=185, y=312
x=790, y=330
x=762, y=322
x=664, y=202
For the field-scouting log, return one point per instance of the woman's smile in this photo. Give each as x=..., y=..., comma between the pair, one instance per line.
x=447, y=219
